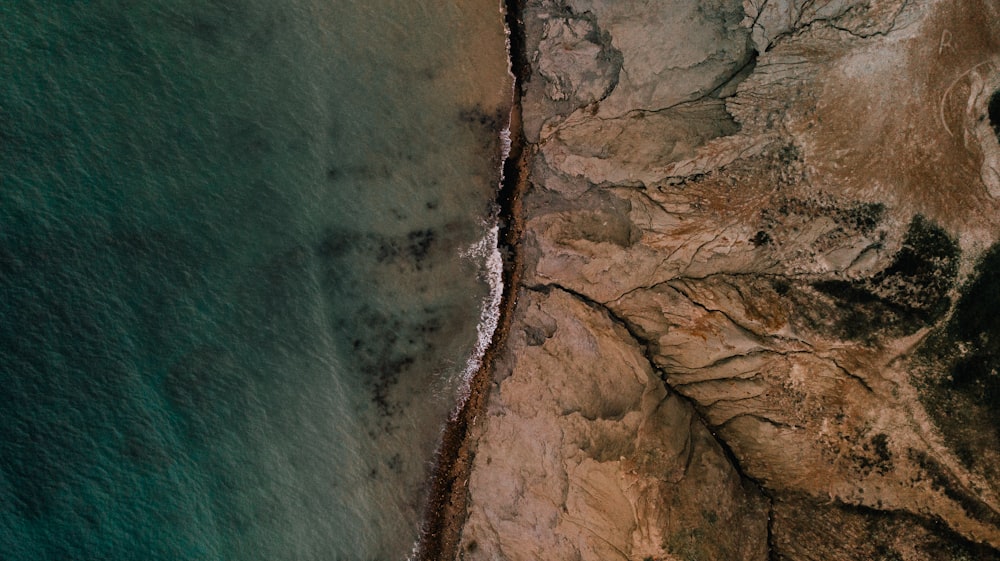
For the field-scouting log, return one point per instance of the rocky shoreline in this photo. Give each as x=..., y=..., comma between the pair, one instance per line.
x=753, y=311
x=445, y=510
x=445, y=513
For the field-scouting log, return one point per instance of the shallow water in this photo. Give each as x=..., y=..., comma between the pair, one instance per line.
x=235, y=307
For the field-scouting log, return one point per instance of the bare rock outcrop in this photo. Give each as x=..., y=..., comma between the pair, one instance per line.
x=762, y=287
x=586, y=455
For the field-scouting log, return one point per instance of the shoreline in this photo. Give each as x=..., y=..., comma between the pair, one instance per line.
x=444, y=511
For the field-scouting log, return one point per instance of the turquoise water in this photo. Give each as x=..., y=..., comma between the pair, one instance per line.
x=234, y=306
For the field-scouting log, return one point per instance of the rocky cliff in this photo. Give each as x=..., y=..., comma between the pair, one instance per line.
x=759, y=310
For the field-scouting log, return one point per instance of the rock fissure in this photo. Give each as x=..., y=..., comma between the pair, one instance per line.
x=757, y=417
x=644, y=346
x=747, y=330
x=797, y=26
x=850, y=374
x=772, y=550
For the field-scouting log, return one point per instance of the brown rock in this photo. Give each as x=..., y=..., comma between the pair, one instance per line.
x=784, y=273
x=585, y=454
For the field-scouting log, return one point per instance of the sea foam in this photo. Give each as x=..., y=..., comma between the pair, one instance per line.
x=487, y=249
x=487, y=252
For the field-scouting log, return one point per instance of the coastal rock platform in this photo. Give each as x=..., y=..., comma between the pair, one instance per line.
x=758, y=315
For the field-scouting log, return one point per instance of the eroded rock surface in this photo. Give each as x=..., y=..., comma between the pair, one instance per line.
x=586, y=455
x=761, y=278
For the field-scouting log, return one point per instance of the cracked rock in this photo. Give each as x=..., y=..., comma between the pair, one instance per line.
x=762, y=318
x=586, y=455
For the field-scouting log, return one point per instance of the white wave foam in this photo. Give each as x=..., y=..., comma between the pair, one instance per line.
x=486, y=249
x=505, y=142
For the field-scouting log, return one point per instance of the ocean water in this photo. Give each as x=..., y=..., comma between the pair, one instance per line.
x=239, y=272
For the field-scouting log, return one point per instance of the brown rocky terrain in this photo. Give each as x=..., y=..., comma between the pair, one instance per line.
x=759, y=311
